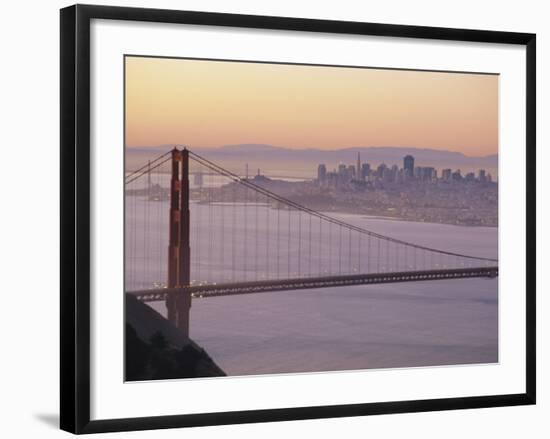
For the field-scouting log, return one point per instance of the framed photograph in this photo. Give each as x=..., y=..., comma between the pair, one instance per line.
x=268, y=218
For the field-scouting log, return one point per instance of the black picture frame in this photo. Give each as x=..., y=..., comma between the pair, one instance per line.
x=75, y=217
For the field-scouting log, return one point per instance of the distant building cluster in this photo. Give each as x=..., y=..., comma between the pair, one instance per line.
x=361, y=174
x=412, y=193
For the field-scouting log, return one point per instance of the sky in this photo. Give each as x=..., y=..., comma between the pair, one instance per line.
x=202, y=103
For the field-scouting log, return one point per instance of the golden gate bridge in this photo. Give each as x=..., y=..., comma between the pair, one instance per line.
x=219, y=234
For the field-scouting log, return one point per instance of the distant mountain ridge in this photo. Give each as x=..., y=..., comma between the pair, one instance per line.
x=265, y=156
x=375, y=150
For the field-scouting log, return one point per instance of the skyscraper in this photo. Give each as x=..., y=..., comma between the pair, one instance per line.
x=425, y=173
x=358, y=168
x=408, y=165
x=321, y=174
x=481, y=176
x=365, y=171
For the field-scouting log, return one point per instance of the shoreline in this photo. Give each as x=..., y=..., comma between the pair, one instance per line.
x=391, y=218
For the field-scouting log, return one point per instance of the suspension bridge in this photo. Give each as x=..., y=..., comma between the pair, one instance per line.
x=194, y=229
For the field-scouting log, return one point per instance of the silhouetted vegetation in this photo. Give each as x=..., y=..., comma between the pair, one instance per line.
x=157, y=360
x=158, y=340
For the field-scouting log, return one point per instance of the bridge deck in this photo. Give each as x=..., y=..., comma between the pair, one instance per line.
x=228, y=289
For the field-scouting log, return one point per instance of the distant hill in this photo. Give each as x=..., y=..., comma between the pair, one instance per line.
x=304, y=161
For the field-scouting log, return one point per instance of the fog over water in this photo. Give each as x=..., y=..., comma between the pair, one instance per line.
x=359, y=327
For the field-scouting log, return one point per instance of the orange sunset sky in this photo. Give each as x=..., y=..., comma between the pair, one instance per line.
x=215, y=103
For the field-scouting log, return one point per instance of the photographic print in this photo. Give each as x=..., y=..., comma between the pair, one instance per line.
x=293, y=218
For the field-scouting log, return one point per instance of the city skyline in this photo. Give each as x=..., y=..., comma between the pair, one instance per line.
x=275, y=161
x=363, y=172
x=211, y=103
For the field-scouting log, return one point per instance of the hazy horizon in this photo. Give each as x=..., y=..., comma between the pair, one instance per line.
x=312, y=149
x=273, y=160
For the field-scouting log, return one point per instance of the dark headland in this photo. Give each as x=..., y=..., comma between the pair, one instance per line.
x=155, y=348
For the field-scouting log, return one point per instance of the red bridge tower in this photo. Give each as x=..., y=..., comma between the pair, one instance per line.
x=179, y=250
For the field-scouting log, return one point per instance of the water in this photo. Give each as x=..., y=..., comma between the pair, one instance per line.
x=372, y=326
x=201, y=178
x=376, y=326
x=232, y=242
